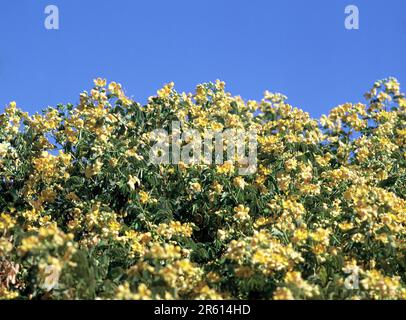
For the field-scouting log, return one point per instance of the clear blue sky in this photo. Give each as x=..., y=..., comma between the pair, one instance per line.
x=296, y=47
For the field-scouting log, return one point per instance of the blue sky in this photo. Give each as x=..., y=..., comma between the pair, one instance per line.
x=296, y=47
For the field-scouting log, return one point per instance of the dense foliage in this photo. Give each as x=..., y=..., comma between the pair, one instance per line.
x=85, y=215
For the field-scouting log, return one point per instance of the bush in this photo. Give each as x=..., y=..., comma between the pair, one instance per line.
x=84, y=214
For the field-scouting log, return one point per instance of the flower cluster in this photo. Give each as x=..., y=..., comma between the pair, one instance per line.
x=84, y=214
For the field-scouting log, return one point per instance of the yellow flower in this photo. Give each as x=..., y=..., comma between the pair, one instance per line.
x=195, y=187
x=4, y=146
x=239, y=182
x=94, y=169
x=283, y=294
x=300, y=235
x=6, y=294
x=357, y=237
x=291, y=164
x=144, y=197
x=200, y=93
x=345, y=226
x=166, y=90
x=99, y=82
x=48, y=195
x=133, y=181
x=217, y=187
x=241, y=213
x=6, y=221
x=226, y=168
x=115, y=88
x=402, y=103
x=29, y=243
x=321, y=235
x=124, y=292
x=362, y=154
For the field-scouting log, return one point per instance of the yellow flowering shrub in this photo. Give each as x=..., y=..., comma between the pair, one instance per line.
x=84, y=214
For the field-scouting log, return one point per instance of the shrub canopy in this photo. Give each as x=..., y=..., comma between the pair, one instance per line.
x=84, y=214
